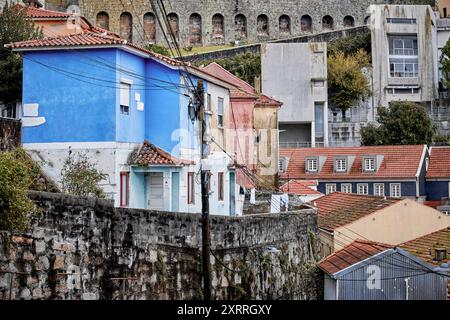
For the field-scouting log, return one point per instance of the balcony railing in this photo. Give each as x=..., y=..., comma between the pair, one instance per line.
x=300, y=144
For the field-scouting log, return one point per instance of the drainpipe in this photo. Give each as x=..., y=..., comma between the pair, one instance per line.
x=407, y=288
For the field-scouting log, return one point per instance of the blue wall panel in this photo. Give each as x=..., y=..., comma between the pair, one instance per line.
x=75, y=93
x=436, y=190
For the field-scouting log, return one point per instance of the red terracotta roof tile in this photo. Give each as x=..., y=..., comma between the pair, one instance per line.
x=268, y=101
x=339, y=209
x=220, y=72
x=398, y=162
x=301, y=188
x=37, y=13
x=423, y=247
x=149, y=155
x=87, y=38
x=439, y=166
x=353, y=253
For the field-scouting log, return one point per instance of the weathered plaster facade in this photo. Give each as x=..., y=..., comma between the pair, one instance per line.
x=404, y=38
x=210, y=22
x=296, y=74
x=84, y=249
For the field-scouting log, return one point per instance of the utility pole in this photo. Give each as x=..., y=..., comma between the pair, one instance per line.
x=206, y=227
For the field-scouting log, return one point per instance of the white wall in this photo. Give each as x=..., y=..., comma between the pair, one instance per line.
x=289, y=74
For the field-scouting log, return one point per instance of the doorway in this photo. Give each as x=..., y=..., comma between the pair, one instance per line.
x=155, y=191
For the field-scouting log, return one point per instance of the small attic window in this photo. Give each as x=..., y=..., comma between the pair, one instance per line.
x=341, y=165
x=312, y=165
x=283, y=164
x=440, y=254
x=369, y=164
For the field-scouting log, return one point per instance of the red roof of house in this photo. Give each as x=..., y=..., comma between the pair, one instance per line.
x=220, y=72
x=355, y=252
x=87, y=39
x=398, y=162
x=423, y=247
x=339, y=209
x=38, y=13
x=243, y=89
x=439, y=165
x=301, y=187
x=149, y=154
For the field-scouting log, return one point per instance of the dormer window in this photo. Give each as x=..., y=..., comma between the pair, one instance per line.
x=369, y=164
x=283, y=164
x=340, y=165
x=312, y=165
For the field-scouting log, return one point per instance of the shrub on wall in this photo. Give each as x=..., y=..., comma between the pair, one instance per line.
x=16, y=176
x=80, y=177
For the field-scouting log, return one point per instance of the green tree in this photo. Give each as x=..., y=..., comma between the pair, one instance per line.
x=403, y=123
x=14, y=27
x=16, y=176
x=347, y=83
x=80, y=177
x=445, y=61
x=352, y=44
x=246, y=66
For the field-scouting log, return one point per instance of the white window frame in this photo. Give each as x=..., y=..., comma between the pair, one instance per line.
x=392, y=193
x=365, y=186
x=331, y=186
x=347, y=186
x=283, y=164
x=220, y=113
x=124, y=90
x=401, y=57
x=341, y=165
x=375, y=189
x=312, y=165
x=369, y=164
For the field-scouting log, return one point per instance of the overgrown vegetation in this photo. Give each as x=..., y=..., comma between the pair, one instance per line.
x=16, y=177
x=403, y=123
x=158, y=49
x=347, y=83
x=351, y=45
x=80, y=176
x=445, y=61
x=14, y=27
x=245, y=67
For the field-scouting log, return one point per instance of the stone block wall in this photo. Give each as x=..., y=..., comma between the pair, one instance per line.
x=210, y=22
x=86, y=249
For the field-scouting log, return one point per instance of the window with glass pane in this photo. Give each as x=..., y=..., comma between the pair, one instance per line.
x=396, y=191
x=312, y=165
x=346, y=188
x=369, y=164
x=331, y=188
x=124, y=189
x=208, y=102
x=341, y=165
x=403, y=57
x=319, y=122
x=125, y=93
x=363, y=189
x=220, y=112
x=378, y=189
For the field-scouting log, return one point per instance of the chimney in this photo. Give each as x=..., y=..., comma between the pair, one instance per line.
x=258, y=84
x=440, y=254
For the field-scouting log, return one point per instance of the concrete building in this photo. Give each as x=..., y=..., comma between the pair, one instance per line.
x=296, y=74
x=404, y=53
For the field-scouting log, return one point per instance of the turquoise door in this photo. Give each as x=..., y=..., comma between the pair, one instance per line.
x=232, y=194
x=175, y=191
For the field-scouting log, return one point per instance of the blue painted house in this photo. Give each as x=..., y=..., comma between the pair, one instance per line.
x=438, y=175
x=392, y=171
x=127, y=109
